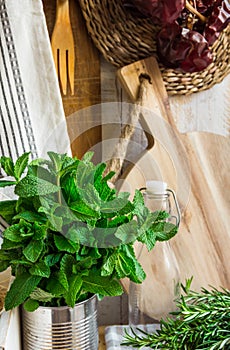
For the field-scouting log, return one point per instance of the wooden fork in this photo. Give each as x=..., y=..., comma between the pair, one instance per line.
x=62, y=43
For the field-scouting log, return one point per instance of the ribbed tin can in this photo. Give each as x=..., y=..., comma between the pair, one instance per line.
x=61, y=328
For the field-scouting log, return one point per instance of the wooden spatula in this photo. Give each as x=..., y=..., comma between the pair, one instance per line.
x=203, y=244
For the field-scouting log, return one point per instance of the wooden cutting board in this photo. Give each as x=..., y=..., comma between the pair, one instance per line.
x=196, y=166
x=87, y=76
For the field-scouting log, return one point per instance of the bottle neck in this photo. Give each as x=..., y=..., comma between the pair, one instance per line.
x=157, y=201
x=158, y=196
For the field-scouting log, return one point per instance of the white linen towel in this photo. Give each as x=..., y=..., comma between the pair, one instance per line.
x=31, y=112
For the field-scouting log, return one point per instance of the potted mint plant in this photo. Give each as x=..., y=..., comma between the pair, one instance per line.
x=70, y=240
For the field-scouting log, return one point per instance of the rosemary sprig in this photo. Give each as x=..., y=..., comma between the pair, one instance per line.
x=202, y=322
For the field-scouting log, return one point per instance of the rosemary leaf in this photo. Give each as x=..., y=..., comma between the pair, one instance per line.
x=201, y=322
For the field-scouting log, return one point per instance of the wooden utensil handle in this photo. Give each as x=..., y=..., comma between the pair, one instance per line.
x=62, y=10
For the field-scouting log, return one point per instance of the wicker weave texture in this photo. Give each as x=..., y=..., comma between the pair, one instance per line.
x=123, y=39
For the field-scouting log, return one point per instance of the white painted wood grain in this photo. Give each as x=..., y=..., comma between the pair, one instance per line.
x=207, y=110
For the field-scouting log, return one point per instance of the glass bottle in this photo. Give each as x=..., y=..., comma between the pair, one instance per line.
x=154, y=299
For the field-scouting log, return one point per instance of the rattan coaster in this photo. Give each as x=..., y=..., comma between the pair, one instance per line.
x=123, y=39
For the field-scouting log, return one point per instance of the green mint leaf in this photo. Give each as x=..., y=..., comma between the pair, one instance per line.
x=95, y=253
x=127, y=232
x=84, y=264
x=20, y=290
x=161, y=215
x=105, y=192
x=63, y=280
x=66, y=214
x=148, y=238
x=147, y=221
x=5, y=256
x=11, y=245
x=7, y=210
x=22, y=262
x=69, y=165
x=75, y=284
x=100, y=182
x=63, y=244
x=5, y=183
x=52, y=259
x=40, y=231
x=117, y=221
x=80, y=234
x=41, y=172
x=16, y=233
x=31, y=186
x=109, y=265
x=66, y=270
x=102, y=285
x=7, y=165
x=87, y=157
x=88, y=212
x=30, y=305
x=83, y=211
x=20, y=165
x=139, y=204
x=84, y=252
x=30, y=216
x=69, y=189
x=57, y=160
x=122, y=268
x=115, y=205
x=85, y=174
x=39, y=162
x=127, y=210
x=56, y=222
x=49, y=209
x=41, y=295
x=55, y=287
x=128, y=265
x=40, y=269
x=33, y=250
x=90, y=197
x=104, y=237
x=4, y=265
x=109, y=176
x=66, y=264
x=99, y=170
x=167, y=232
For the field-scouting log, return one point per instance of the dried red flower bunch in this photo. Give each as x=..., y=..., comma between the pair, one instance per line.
x=187, y=29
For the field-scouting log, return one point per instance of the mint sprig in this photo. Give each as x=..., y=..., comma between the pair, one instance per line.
x=70, y=235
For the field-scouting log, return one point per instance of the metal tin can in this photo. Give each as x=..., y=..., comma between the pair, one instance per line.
x=62, y=328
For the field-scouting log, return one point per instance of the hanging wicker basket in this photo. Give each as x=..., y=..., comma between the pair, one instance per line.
x=123, y=39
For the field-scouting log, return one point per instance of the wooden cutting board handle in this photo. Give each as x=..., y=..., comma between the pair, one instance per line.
x=156, y=120
x=129, y=77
